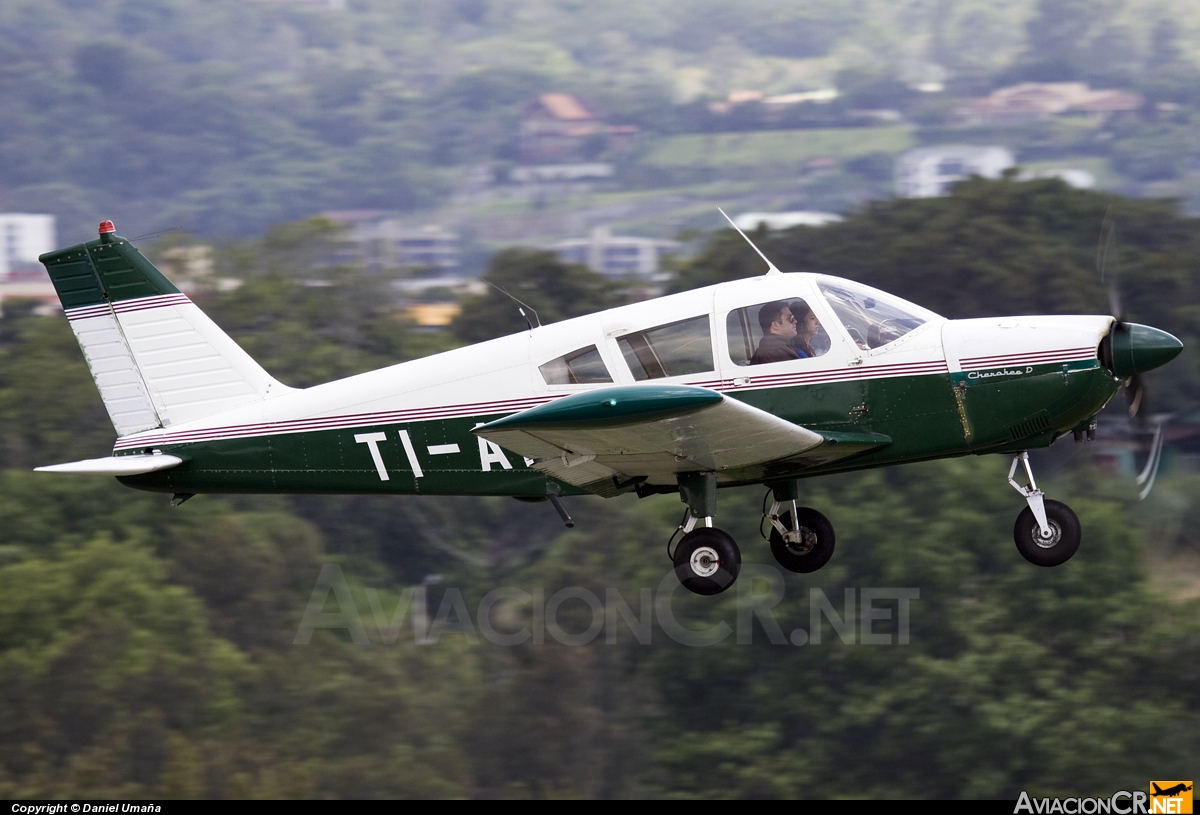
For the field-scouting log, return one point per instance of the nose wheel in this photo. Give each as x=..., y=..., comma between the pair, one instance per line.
x=1050, y=549
x=1047, y=532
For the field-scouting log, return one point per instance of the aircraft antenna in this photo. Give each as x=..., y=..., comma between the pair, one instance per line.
x=159, y=232
x=519, y=304
x=771, y=269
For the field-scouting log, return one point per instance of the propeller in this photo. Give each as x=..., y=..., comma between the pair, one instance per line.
x=1133, y=386
x=1129, y=347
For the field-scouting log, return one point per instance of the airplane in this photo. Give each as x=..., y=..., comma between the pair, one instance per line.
x=1170, y=792
x=767, y=380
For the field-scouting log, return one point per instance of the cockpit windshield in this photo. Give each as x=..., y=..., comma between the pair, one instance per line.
x=872, y=318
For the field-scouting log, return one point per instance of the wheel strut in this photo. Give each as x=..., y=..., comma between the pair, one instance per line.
x=1033, y=496
x=699, y=492
x=784, y=494
x=792, y=535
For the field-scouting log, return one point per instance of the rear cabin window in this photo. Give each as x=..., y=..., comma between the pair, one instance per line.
x=746, y=332
x=674, y=349
x=576, y=368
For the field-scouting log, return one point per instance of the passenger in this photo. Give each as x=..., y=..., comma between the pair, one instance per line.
x=778, y=327
x=807, y=327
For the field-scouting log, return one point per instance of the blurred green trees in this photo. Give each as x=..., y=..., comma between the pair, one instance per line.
x=556, y=291
x=150, y=651
x=225, y=117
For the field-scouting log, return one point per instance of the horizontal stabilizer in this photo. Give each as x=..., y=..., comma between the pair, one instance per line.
x=115, y=465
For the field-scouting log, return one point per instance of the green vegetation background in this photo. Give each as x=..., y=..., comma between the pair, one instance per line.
x=226, y=116
x=149, y=651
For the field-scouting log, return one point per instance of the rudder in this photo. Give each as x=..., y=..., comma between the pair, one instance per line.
x=157, y=359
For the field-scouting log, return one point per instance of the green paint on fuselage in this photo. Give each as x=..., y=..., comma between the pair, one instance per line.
x=920, y=414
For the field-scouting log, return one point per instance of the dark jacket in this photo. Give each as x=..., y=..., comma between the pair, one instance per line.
x=773, y=348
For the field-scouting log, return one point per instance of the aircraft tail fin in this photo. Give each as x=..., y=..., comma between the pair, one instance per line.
x=156, y=358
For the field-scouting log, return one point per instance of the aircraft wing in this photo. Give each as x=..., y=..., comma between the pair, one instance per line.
x=608, y=440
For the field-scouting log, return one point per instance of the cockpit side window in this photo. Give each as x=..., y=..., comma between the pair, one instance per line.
x=674, y=349
x=576, y=368
x=872, y=318
x=775, y=332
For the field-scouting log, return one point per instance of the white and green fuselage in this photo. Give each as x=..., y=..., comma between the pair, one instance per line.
x=580, y=406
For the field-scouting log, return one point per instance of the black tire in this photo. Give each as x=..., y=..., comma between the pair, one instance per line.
x=816, y=548
x=707, y=561
x=1064, y=542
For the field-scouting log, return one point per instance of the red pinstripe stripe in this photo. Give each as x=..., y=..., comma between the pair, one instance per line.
x=331, y=422
x=1034, y=358
x=127, y=306
x=482, y=408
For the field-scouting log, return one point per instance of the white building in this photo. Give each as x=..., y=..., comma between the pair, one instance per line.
x=929, y=171
x=378, y=240
x=614, y=255
x=22, y=238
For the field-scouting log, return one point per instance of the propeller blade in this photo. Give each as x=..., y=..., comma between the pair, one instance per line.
x=1150, y=471
x=1134, y=394
x=1105, y=251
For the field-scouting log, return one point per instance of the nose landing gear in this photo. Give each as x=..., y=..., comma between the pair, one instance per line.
x=1047, y=533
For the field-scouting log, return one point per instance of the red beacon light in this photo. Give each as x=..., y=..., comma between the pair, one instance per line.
x=107, y=228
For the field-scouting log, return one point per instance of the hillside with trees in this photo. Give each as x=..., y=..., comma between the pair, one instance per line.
x=150, y=651
x=225, y=117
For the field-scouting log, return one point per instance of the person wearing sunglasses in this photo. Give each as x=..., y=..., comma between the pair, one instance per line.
x=779, y=329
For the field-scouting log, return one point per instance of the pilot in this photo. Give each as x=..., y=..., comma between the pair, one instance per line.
x=807, y=326
x=779, y=329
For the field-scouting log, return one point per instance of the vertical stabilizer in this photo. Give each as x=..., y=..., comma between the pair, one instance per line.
x=156, y=358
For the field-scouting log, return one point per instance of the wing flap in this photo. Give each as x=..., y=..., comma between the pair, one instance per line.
x=115, y=465
x=600, y=439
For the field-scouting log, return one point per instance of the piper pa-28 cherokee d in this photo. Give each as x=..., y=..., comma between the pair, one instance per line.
x=767, y=380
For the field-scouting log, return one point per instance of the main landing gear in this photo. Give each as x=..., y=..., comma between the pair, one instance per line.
x=707, y=560
x=801, y=539
x=1047, y=532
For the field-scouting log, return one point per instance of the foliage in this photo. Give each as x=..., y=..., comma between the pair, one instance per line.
x=227, y=117
x=309, y=315
x=789, y=149
x=1153, y=153
x=149, y=651
x=49, y=407
x=555, y=291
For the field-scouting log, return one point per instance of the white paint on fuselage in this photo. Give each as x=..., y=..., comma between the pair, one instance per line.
x=501, y=376
x=999, y=342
